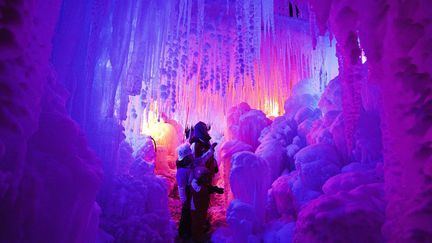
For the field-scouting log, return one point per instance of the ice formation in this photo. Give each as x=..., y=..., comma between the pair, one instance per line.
x=321, y=110
x=353, y=216
x=43, y=151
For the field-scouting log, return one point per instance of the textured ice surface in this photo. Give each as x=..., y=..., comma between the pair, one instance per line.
x=225, y=152
x=347, y=181
x=331, y=99
x=279, y=231
x=242, y=224
x=137, y=210
x=283, y=197
x=354, y=216
x=293, y=104
x=316, y=163
x=275, y=156
x=246, y=124
x=49, y=177
x=249, y=181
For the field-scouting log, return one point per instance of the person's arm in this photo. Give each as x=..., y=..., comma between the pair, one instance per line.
x=200, y=161
x=182, y=180
x=195, y=185
x=215, y=189
x=182, y=194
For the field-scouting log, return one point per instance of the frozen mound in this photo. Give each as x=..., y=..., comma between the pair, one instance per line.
x=329, y=117
x=345, y=182
x=283, y=196
x=227, y=149
x=233, y=120
x=144, y=148
x=242, y=224
x=275, y=156
x=294, y=103
x=125, y=152
x=137, y=210
x=281, y=130
x=141, y=168
x=317, y=163
x=242, y=219
x=306, y=113
x=331, y=99
x=246, y=124
x=236, y=112
x=302, y=194
x=279, y=231
x=356, y=166
x=320, y=129
x=287, y=197
x=354, y=216
x=292, y=149
x=224, y=154
x=306, y=118
x=250, y=126
x=144, y=157
x=249, y=179
x=305, y=128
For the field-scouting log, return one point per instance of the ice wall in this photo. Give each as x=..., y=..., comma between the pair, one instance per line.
x=314, y=178
x=395, y=37
x=49, y=176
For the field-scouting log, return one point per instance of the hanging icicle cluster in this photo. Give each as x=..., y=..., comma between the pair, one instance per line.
x=207, y=56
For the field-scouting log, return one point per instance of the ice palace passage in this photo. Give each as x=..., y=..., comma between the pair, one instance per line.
x=310, y=119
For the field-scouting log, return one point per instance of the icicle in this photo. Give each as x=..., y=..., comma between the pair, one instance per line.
x=268, y=16
x=207, y=69
x=200, y=20
x=257, y=28
x=189, y=18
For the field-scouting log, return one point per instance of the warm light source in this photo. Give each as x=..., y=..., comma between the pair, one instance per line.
x=271, y=108
x=153, y=125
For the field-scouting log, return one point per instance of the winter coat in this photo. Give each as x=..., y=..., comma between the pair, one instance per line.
x=184, y=176
x=184, y=173
x=201, y=149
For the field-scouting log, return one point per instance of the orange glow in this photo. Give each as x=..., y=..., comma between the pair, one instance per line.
x=283, y=62
x=153, y=125
x=271, y=108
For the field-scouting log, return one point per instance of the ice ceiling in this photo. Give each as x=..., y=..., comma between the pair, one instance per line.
x=192, y=60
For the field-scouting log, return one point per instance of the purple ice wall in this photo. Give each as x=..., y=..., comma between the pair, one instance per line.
x=48, y=175
x=396, y=38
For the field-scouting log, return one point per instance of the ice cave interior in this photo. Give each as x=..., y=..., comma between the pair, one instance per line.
x=321, y=111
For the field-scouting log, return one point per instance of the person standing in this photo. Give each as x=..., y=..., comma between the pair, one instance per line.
x=201, y=189
x=200, y=143
x=184, y=164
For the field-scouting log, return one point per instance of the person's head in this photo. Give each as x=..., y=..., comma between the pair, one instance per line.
x=184, y=151
x=201, y=132
x=202, y=175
